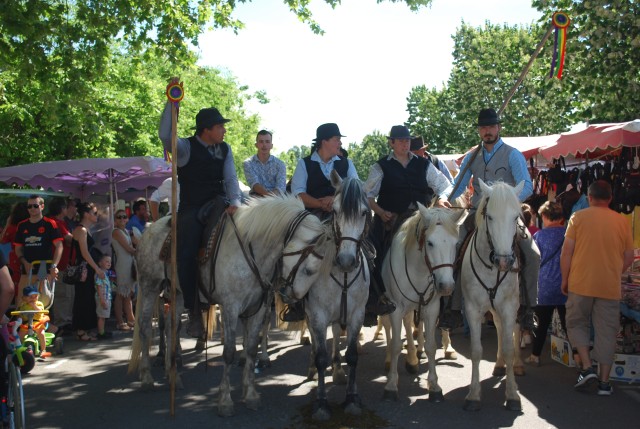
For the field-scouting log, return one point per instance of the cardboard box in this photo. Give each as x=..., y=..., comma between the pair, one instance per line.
x=561, y=351
x=625, y=368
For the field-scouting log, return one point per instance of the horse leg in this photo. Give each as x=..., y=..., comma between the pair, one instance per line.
x=162, y=344
x=386, y=323
x=353, y=403
x=378, y=332
x=225, y=403
x=518, y=365
x=435, y=391
x=393, y=343
x=338, y=375
x=412, y=361
x=499, y=368
x=263, y=357
x=513, y=402
x=321, y=409
x=252, y=329
x=474, y=317
x=144, y=331
x=449, y=352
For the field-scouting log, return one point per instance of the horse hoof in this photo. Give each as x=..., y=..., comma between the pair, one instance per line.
x=513, y=405
x=353, y=405
x=147, y=387
x=411, y=369
x=321, y=410
x=470, y=405
x=519, y=371
x=253, y=404
x=305, y=341
x=225, y=410
x=436, y=397
x=390, y=395
x=200, y=345
x=451, y=355
x=262, y=364
x=420, y=355
x=499, y=371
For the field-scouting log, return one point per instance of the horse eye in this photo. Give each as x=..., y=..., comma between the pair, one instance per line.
x=307, y=272
x=429, y=243
x=489, y=217
x=364, y=213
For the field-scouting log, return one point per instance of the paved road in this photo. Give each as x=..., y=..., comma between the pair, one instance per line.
x=88, y=387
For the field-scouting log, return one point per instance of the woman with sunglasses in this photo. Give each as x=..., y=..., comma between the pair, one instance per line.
x=124, y=250
x=84, y=306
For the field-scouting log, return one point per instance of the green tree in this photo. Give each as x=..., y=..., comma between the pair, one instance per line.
x=373, y=147
x=292, y=156
x=603, y=57
x=487, y=62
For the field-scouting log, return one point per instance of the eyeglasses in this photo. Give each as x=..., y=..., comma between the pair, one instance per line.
x=121, y=217
x=33, y=206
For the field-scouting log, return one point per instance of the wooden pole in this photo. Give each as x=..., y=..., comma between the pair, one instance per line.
x=174, y=98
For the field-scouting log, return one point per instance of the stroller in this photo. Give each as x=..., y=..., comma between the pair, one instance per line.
x=25, y=323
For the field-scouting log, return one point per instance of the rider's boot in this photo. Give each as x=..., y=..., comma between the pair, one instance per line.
x=195, y=327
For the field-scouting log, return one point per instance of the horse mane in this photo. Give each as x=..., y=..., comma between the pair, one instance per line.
x=351, y=196
x=502, y=198
x=267, y=219
x=411, y=228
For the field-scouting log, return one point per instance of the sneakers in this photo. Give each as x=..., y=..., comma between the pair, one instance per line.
x=195, y=327
x=533, y=360
x=604, y=388
x=586, y=377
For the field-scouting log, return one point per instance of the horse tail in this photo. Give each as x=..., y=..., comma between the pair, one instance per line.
x=212, y=321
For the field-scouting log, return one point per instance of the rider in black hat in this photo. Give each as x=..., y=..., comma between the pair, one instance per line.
x=207, y=175
x=311, y=183
x=496, y=161
x=395, y=185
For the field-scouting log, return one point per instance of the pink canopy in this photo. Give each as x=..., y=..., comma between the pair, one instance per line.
x=595, y=139
x=83, y=177
x=529, y=146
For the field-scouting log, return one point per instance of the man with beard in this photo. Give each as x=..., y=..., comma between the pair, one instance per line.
x=496, y=161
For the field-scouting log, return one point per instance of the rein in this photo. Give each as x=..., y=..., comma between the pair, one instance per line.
x=345, y=285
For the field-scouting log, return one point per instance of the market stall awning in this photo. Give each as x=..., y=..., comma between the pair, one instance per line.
x=83, y=177
x=595, y=139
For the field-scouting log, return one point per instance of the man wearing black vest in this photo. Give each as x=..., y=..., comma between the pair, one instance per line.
x=395, y=185
x=418, y=147
x=311, y=183
x=206, y=172
x=497, y=161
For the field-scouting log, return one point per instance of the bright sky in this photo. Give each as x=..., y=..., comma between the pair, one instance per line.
x=359, y=73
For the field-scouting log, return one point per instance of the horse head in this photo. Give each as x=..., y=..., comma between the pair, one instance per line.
x=351, y=219
x=497, y=219
x=438, y=240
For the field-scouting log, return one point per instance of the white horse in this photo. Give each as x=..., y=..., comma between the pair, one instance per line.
x=260, y=232
x=335, y=279
x=418, y=270
x=490, y=283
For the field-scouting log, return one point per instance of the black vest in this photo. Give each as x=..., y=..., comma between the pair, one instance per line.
x=402, y=186
x=319, y=186
x=201, y=179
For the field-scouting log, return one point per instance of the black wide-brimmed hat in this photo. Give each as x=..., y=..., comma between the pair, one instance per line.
x=207, y=118
x=488, y=117
x=417, y=143
x=326, y=131
x=399, y=132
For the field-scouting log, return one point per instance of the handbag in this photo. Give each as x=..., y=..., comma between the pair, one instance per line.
x=75, y=273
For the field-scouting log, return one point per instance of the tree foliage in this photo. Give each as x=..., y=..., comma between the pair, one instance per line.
x=374, y=146
x=487, y=62
x=603, y=57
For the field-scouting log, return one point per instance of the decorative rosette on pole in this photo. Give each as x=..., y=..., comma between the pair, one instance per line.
x=175, y=94
x=560, y=21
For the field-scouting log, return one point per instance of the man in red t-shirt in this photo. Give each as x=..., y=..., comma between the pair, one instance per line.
x=37, y=239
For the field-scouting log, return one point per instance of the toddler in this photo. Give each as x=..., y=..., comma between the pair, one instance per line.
x=30, y=301
x=103, y=296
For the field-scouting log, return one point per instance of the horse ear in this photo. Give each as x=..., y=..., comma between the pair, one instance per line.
x=336, y=180
x=459, y=216
x=519, y=188
x=424, y=212
x=484, y=188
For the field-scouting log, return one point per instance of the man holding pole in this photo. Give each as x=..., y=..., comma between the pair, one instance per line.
x=495, y=161
x=206, y=173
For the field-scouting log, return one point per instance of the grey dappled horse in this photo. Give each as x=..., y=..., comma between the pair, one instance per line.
x=334, y=276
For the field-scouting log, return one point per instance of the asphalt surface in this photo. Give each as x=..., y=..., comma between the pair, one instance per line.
x=88, y=387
